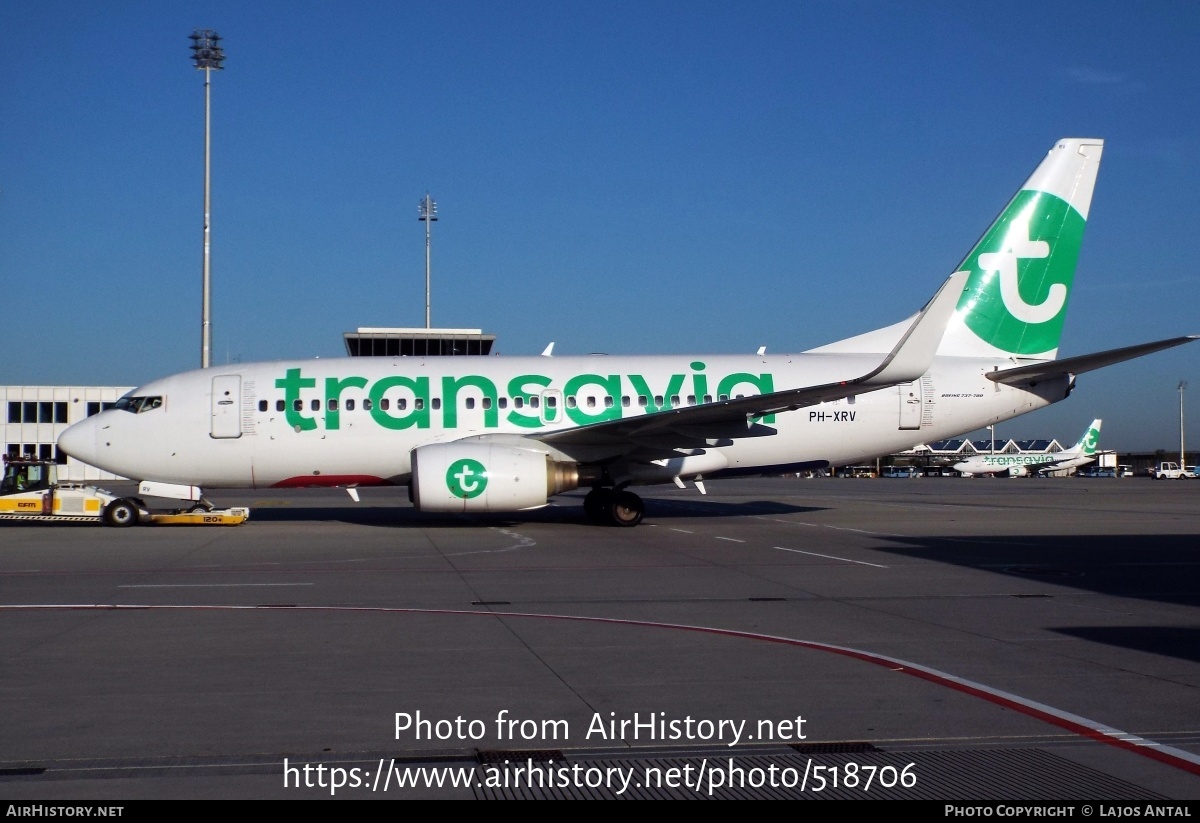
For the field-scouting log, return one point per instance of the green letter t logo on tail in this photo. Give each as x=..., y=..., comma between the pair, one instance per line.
x=1090, y=440
x=1021, y=273
x=1022, y=269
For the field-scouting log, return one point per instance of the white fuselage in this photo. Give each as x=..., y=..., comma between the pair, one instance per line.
x=273, y=424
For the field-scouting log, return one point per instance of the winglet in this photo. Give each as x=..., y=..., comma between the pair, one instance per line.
x=914, y=353
x=548, y=351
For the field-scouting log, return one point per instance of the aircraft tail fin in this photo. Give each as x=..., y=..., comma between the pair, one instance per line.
x=1022, y=269
x=1090, y=441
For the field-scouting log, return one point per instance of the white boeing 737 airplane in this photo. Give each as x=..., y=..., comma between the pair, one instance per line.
x=504, y=434
x=1020, y=465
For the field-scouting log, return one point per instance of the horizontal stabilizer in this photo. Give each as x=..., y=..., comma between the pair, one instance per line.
x=1084, y=363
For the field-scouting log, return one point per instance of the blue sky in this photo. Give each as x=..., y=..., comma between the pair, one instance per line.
x=620, y=176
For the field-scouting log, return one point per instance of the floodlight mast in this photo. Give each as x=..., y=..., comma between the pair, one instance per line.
x=428, y=214
x=1182, y=386
x=207, y=54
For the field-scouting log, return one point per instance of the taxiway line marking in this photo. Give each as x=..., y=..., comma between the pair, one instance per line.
x=830, y=557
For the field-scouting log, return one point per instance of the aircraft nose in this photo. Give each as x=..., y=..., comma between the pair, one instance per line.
x=79, y=441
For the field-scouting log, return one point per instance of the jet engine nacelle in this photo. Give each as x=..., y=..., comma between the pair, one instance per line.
x=1017, y=471
x=486, y=477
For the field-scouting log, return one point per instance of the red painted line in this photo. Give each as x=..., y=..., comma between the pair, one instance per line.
x=1073, y=723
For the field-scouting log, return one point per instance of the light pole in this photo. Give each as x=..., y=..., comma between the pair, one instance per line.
x=207, y=54
x=428, y=214
x=1182, y=386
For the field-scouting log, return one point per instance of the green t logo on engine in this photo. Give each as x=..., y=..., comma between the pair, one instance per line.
x=466, y=478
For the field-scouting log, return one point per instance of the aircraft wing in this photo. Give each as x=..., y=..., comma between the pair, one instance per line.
x=1084, y=363
x=694, y=425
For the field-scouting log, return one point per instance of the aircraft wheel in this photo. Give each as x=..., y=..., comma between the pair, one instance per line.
x=597, y=503
x=626, y=509
x=121, y=513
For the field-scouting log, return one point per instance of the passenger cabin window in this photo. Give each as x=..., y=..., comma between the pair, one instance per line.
x=279, y=405
x=350, y=404
x=262, y=405
x=470, y=402
x=366, y=404
x=384, y=403
x=298, y=405
x=436, y=403
x=332, y=404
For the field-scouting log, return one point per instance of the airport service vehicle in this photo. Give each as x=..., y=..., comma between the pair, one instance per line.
x=506, y=434
x=901, y=472
x=1025, y=465
x=1167, y=471
x=29, y=490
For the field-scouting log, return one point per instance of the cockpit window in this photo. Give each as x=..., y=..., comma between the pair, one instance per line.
x=137, y=405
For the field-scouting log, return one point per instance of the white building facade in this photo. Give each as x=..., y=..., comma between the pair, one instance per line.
x=34, y=417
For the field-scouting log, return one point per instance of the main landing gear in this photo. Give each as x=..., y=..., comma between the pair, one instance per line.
x=618, y=508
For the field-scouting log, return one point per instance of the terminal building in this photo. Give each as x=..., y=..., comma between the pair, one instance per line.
x=388, y=342
x=34, y=417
